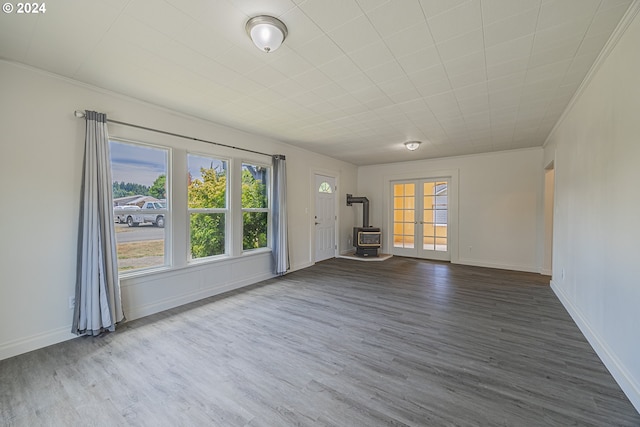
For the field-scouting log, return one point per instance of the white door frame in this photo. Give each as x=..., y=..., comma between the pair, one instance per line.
x=418, y=250
x=387, y=219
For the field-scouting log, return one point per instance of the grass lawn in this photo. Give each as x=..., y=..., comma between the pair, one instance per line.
x=134, y=255
x=140, y=249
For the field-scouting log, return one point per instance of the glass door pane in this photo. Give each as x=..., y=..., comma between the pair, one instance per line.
x=404, y=223
x=434, y=216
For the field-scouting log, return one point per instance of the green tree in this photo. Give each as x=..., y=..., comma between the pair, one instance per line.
x=159, y=187
x=122, y=189
x=254, y=195
x=207, y=229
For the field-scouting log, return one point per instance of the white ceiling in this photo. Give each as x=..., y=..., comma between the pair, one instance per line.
x=353, y=80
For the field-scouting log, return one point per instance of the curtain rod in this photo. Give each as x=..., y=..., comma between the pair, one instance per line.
x=80, y=114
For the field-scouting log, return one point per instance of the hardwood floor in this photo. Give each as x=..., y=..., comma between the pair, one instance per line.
x=343, y=343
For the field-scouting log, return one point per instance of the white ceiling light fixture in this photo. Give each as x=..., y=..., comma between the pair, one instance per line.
x=267, y=32
x=412, y=145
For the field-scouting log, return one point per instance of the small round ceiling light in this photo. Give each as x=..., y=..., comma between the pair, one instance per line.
x=412, y=145
x=267, y=32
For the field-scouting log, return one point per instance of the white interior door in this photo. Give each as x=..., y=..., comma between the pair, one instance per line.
x=325, y=217
x=420, y=213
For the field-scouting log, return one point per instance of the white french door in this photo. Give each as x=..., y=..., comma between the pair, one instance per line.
x=420, y=215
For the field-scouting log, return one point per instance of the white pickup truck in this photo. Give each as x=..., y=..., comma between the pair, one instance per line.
x=134, y=216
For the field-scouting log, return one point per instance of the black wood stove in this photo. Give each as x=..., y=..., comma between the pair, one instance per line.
x=366, y=239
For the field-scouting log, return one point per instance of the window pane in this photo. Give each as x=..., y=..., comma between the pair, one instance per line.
x=409, y=216
x=325, y=188
x=254, y=230
x=428, y=202
x=398, y=202
x=428, y=188
x=207, y=190
x=207, y=234
x=409, y=228
x=207, y=182
x=255, y=180
x=139, y=175
x=428, y=230
x=428, y=243
x=409, y=203
x=255, y=204
x=409, y=190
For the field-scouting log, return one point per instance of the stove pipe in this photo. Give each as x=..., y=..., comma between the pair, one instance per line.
x=365, y=208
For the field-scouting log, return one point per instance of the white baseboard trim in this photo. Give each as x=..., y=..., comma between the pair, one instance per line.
x=55, y=336
x=173, y=302
x=34, y=342
x=626, y=382
x=300, y=266
x=478, y=263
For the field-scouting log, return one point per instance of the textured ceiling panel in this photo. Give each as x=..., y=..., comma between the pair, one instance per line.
x=353, y=80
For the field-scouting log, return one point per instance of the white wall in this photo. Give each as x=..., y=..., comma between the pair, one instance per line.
x=596, y=265
x=499, y=204
x=41, y=153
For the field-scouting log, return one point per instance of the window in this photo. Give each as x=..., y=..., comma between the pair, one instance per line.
x=325, y=187
x=207, y=194
x=140, y=174
x=255, y=206
x=142, y=186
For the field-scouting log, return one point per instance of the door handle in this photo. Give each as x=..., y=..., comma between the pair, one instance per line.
x=317, y=223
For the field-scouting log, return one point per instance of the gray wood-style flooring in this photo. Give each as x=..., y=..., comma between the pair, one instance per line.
x=343, y=343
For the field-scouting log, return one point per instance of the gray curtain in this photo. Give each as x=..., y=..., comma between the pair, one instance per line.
x=98, y=305
x=280, y=239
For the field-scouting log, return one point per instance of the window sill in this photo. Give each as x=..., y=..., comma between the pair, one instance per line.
x=208, y=260
x=255, y=252
x=199, y=263
x=143, y=272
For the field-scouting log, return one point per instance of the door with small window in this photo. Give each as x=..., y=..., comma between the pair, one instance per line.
x=325, y=217
x=420, y=214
